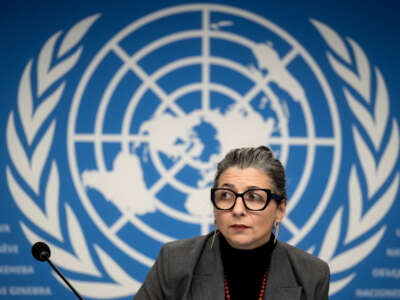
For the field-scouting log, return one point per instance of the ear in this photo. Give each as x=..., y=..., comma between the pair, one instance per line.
x=281, y=211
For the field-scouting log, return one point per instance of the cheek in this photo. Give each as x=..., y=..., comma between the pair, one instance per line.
x=268, y=218
x=269, y=222
x=217, y=217
x=220, y=218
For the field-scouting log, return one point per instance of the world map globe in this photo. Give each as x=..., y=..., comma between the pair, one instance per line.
x=153, y=114
x=192, y=145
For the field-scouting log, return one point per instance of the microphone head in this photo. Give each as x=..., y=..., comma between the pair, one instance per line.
x=41, y=251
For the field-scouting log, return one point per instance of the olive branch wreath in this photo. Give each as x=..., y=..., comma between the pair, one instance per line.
x=376, y=172
x=50, y=87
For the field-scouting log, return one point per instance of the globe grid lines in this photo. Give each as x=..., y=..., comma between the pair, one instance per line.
x=204, y=62
x=128, y=137
x=151, y=83
x=172, y=101
x=154, y=86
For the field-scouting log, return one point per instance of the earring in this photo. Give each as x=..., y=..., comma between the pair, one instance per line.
x=213, y=237
x=277, y=224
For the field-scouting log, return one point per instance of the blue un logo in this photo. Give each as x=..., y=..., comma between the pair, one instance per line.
x=154, y=113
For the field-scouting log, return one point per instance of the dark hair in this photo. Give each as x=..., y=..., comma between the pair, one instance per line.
x=261, y=158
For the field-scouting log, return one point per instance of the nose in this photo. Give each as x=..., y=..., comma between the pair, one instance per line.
x=239, y=209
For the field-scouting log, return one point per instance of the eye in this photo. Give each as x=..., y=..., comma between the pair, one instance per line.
x=255, y=196
x=224, y=195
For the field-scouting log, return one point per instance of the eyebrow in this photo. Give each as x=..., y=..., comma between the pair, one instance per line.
x=228, y=185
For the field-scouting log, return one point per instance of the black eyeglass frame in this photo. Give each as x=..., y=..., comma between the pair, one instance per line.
x=270, y=196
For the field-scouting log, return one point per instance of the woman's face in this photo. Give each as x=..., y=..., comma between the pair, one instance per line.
x=244, y=229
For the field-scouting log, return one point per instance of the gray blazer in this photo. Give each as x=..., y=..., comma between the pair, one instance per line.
x=192, y=270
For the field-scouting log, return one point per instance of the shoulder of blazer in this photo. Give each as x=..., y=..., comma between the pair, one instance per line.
x=302, y=257
x=193, y=268
x=189, y=247
x=305, y=265
x=181, y=257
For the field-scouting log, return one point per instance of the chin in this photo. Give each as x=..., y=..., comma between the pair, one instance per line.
x=241, y=243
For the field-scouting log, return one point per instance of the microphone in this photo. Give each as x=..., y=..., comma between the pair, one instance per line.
x=41, y=251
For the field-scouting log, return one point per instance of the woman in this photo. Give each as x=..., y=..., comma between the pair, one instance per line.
x=241, y=259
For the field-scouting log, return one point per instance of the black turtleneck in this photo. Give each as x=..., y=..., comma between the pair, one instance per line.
x=244, y=269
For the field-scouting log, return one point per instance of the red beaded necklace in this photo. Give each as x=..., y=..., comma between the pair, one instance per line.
x=264, y=282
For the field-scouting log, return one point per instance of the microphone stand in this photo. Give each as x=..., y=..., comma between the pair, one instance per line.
x=63, y=278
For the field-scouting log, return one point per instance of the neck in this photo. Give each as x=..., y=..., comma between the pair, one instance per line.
x=245, y=269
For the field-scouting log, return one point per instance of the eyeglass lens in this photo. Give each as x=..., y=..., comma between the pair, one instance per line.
x=254, y=199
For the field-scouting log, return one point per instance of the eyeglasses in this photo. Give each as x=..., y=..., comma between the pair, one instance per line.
x=253, y=199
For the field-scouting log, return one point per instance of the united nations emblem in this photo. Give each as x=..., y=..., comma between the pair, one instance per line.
x=162, y=102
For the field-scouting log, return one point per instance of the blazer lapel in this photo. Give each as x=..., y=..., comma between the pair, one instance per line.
x=208, y=277
x=281, y=283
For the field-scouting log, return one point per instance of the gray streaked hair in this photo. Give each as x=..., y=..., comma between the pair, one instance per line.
x=261, y=158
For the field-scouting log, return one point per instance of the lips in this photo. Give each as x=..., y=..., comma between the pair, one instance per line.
x=239, y=226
